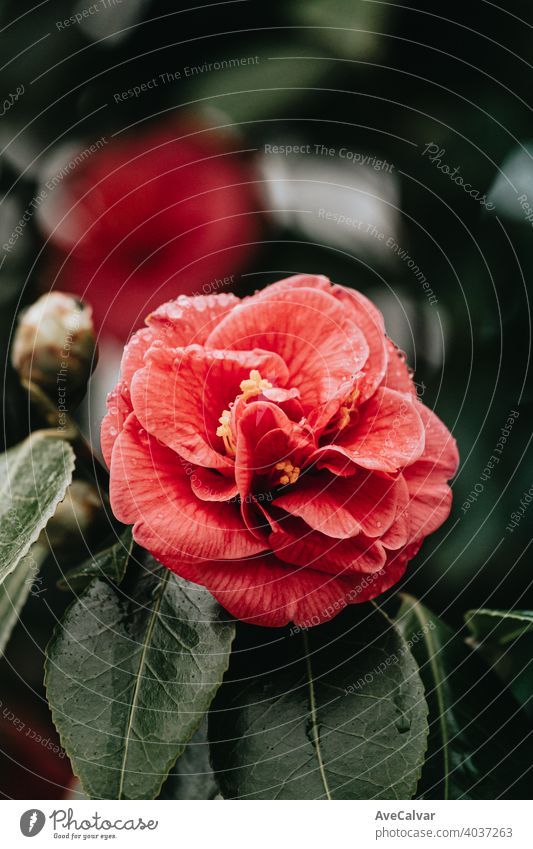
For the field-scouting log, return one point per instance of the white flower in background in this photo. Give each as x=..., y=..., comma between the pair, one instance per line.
x=347, y=199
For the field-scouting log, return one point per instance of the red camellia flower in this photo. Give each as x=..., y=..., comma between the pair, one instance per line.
x=273, y=449
x=146, y=217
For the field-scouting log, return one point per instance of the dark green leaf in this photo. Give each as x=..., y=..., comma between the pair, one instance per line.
x=336, y=712
x=267, y=83
x=129, y=679
x=348, y=29
x=16, y=589
x=499, y=626
x=111, y=563
x=505, y=639
x=192, y=777
x=475, y=729
x=34, y=477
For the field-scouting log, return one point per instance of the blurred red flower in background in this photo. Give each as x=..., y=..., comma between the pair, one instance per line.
x=147, y=217
x=32, y=763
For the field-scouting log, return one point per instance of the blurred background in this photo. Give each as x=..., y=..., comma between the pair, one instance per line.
x=148, y=151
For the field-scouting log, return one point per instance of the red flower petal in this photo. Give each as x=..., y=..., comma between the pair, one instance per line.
x=264, y=591
x=213, y=486
x=118, y=410
x=296, y=281
x=365, y=315
x=180, y=395
x=379, y=582
x=179, y=323
x=119, y=401
x=399, y=533
x=388, y=435
x=430, y=495
x=398, y=376
x=150, y=488
x=189, y=321
x=369, y=319
x=266, y=436
x=343, y=507
x=309, y=329
x=294, y=542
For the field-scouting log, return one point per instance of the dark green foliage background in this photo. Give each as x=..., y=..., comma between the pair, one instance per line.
x=459, y=76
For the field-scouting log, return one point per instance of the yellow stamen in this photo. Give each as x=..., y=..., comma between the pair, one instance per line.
x=254, y=385
x=344, y=417
x=290, y=473
x=226, y=433
x=250, y=387
x=347, y=410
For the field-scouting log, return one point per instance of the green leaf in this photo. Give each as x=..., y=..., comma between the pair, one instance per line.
x=499, y=626
x=34, y=477
x=337, y=712
x=271, y=79
x=111, y=563
x=354, y=30
x=505, y=639
x=192, y=777
x=129, y=677
x=476, y=729
x=16, y=589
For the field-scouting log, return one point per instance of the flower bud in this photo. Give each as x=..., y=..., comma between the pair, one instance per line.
x=55, y=349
